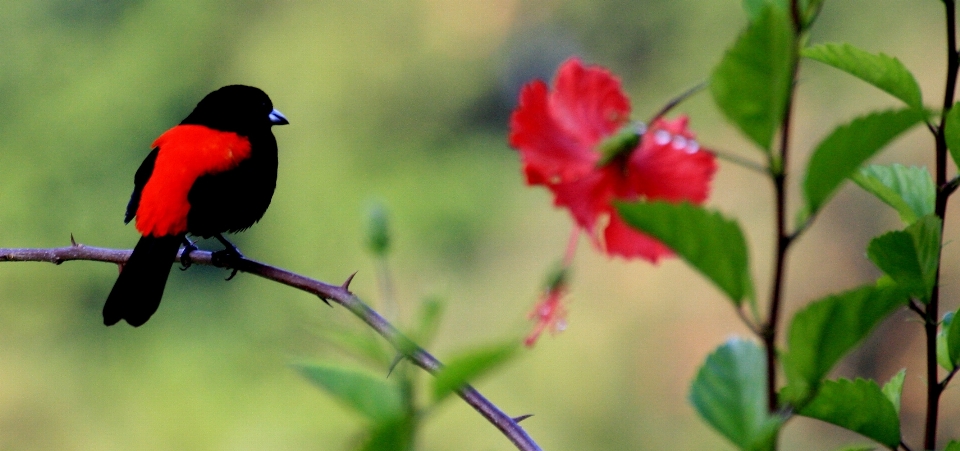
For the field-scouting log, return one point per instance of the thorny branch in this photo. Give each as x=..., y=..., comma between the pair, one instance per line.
x=337, y=293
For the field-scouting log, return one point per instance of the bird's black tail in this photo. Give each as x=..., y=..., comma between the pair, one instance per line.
x=137, y=293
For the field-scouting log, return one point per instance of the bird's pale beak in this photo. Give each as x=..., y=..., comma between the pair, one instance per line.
x=277, y=118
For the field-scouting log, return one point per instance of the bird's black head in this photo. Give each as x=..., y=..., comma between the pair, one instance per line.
x=236, y=108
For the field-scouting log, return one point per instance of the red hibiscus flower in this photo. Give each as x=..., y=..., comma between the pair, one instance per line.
x=570, y=140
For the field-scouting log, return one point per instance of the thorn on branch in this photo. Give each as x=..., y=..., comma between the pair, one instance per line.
x=325, y=301
x=346, y=284
x=522, y=417
x=73, y=242
x=393, y=364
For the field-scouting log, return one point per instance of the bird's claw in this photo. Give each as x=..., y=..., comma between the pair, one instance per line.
x=227, y=258
x=185, y=260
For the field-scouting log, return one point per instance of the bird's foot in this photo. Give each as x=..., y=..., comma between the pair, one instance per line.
x=185, y=260
x=228, y=257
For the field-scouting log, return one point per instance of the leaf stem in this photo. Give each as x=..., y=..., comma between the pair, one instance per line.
x=340, y=294
x=677, y=100
x=740, y=161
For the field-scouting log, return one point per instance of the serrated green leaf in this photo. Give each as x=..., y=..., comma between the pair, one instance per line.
x=885, y=72
x=859, y=406
x=752, y=83
x=952, y=132
x=467, y=367
x=909, y=190
x=396, y=435
x=943, y=348
x=826, y=330
x=712, y=244
x=729, y=392
x=373, y=396
x=952, y=446
x=893, y=389
x=840, y=154
x=910, y=257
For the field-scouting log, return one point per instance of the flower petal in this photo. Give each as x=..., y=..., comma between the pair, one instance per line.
x=620, y=239
x=670, y=165
x=557, y=132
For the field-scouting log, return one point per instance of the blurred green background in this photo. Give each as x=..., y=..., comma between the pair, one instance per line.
x=403, y=102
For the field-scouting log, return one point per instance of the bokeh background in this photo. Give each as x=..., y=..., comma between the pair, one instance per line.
x=403, y=103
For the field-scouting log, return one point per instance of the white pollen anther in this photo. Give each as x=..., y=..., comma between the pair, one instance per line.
x=692, y=147
x=661, y=137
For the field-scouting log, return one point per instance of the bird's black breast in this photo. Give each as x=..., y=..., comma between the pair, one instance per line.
x=235, y=199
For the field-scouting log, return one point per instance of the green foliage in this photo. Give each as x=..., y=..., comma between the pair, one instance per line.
x=729, y=392
x=882, y=71
x=953, y=446
x=910, y=257
x=952, y=133
x=392, y=435
x=859, y=406
x=471, y=365
x=849, y=146
x=909, y=190
x=752, y=83
x=712, y=244
x=858, y=448
x=893, y=389
x=374, y=397
x=755, y=8
x=823, y=332
x=948, y=342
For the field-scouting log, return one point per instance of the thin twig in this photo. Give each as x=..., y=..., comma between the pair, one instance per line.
x=340, y=294
x=904, y=446
x=740, y=161
x=676, y=101
x=912, y=305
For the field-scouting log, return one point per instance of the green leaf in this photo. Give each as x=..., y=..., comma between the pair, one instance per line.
x=909, y=190
x=859, y=406
x=882, y=71
x=910, y=257
x=755, y=8
x=395, y=435
x=953, y=341
x=952, y=446
x=729, y=392
x=712, y=244
x=810, y=9
x=467, y=367
x=752, y=83
x=824, y=331
x=849, y=146
x=952, y=132
x=943, y=348
x=370, y=395
x=893, y=389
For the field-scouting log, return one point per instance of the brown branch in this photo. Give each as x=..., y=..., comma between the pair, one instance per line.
x=337, y=293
